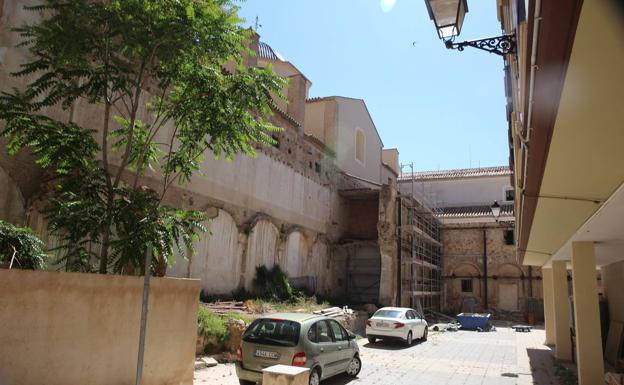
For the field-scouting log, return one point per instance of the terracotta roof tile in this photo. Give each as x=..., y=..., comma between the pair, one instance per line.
x=473, y=211
x=458, y=173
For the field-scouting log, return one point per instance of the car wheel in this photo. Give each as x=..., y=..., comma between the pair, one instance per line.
x=245, y=382
x=354, y=366
x=424, y=337
x=315, y=377
x=372, y=340
x=409, y=339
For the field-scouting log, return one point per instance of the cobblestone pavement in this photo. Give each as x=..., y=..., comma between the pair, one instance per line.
x=468, y=358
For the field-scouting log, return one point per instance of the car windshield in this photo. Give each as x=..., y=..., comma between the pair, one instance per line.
x=388, y=313
x=270, y=331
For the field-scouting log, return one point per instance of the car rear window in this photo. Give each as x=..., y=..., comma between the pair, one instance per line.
x=271, y=331
x=388, y=313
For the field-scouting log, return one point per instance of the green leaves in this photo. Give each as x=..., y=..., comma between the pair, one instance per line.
x=159, y=68
x=20, y=248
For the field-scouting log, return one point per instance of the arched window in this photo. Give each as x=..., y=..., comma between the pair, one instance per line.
x=360, y=144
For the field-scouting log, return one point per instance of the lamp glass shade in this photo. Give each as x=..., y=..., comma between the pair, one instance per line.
x=495, y=209
x=448, y=16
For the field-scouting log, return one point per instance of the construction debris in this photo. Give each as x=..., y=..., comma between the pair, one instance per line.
x=334, y=312
x=227, y=307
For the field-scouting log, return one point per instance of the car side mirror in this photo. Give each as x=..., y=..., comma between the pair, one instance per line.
x=351, y=336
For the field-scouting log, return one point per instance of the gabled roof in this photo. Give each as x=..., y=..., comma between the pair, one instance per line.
x=347, y=98
x=458, y=173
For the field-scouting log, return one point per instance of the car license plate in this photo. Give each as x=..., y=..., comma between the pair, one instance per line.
x=266, y=354
x=382, y=324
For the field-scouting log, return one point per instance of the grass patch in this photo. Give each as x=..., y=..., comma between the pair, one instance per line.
x=212, y=325
x=300, y=304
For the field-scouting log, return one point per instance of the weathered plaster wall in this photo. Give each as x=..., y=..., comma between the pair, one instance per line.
x=462, y=258
x=12, y=205
x=75, y=329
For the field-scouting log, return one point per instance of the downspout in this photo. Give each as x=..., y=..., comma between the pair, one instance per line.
x=399, y=251
x=530, y=281
x=485, y=271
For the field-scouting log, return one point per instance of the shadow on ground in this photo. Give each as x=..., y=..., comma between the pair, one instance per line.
x=340, y=379
x=391, y=345
x=542, y=369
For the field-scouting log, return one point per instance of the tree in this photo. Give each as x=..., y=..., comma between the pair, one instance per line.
x=20, y=248
x=166, y=57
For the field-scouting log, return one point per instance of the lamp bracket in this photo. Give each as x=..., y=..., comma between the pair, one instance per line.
x=500, y=45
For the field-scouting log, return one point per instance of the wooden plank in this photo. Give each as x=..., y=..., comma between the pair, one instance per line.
x=614, y=342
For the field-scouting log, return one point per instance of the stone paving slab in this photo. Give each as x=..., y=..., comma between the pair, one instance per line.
x=503, y=357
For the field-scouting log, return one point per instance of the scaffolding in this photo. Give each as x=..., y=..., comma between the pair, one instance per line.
x=420, y=251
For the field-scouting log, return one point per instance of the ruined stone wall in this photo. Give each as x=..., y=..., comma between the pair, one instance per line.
x=463, y=259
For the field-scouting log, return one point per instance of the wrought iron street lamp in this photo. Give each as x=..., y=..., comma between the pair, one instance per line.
x=448, y=17
x=496, y=210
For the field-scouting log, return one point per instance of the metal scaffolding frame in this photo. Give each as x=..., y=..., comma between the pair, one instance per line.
x=420, y=250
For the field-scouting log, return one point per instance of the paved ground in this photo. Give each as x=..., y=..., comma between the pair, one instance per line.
x=469, y=358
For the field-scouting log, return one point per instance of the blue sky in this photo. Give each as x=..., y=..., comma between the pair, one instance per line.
x=441, y=108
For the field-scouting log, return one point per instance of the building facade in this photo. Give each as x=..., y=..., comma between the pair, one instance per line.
x=324, y=192
x=565, y=89
x=479, y=268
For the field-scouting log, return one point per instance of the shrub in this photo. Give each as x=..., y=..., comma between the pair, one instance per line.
x=273, y=285
x=20, y=247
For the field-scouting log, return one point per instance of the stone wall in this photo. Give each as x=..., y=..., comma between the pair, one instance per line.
x=75, y=329
x=509, y=285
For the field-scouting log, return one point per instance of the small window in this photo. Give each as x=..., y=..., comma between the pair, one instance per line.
x=466, y=285
x=317, y=167
x=409, y=314
x=509, y=237
x=360, y=142
x=510, y=195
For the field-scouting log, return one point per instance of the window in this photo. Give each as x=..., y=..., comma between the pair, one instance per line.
x=319, y=333
x=317, y=167
x=509, y=237
x=409, y=315
x=273, y=332
x=510, y=195
x=339, y=333
x=466, y=285
x=360, y=142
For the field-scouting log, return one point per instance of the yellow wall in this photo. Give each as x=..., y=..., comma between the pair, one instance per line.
x=613, y=285
x=76, y=329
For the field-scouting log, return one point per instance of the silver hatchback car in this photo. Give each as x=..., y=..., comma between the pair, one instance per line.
x=298, y=339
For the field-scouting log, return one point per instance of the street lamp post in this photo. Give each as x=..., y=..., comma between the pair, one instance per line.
x=448, y=18
x=496, y=210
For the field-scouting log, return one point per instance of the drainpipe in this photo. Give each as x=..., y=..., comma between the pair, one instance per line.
x=399, y=251
x=485, y=271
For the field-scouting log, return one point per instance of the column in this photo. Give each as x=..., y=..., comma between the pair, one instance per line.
x=549, y=305
x=563, y=345
x=586, y=314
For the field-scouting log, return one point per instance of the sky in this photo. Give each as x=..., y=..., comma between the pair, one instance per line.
x=442, y=109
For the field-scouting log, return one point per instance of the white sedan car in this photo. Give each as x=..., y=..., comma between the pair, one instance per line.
x=396, y=323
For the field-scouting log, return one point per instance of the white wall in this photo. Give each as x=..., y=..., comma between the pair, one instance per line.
x=352, y=114
x=477, y=191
